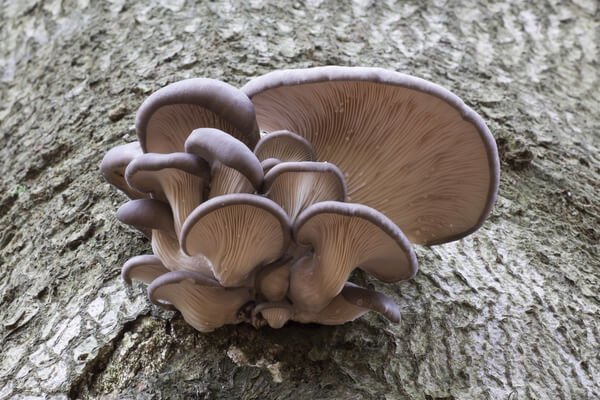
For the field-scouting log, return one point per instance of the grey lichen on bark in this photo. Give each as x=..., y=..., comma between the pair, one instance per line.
x=509, y=312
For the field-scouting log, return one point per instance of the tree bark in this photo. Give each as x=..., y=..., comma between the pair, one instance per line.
x=510, y=312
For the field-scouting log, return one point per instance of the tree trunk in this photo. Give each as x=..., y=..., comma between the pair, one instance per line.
x=510, y=312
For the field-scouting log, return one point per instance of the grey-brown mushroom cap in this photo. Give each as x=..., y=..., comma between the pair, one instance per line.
x=352, y=302
x=190, y=163
x=285, y=146
x=144, y=268
x=115, y=162
x=404, y=271
x=323, y=102
x=269, y=163
x=226, y=107
x=372, y=300
x=216, y=145
x=237, y=233
x=146, y=214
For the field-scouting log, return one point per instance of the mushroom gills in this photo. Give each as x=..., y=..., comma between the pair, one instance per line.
x=204, y=303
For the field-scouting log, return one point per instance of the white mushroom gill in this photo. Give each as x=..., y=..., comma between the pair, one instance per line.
x=265, y=230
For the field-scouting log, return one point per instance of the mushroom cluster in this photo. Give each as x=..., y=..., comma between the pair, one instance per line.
x=260, y=202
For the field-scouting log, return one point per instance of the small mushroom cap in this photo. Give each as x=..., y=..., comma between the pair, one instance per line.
x=237, y=233
x=146, y=214
x=275, y=313
x=351, y=303
x=345, y=236
x=372, y=300
x=285, y=146
x=216, y=145
x=297, y=185
x=269, y=163
x=273, y=280
x=167, y=117
x=176, y=178
x=113, y=167
x=204, y=303
x=143, y=268
x=407, y=147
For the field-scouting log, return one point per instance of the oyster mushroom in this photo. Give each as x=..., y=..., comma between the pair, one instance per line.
x=297, y=185
x=236, y=233
x=272, y=280
x=407, y=147
x=176, y=178
x=345, y=236
x=147, y=215
x=167, y=117
x=144, y=268
x=113, y=167
x=204, y=303
x=275, y=314
x=284, y=146
x=351, y=303
x=269, y=163
x=155, y=220
x=235, y=169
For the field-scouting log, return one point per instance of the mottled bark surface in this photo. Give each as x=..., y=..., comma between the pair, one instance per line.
x=511, y=312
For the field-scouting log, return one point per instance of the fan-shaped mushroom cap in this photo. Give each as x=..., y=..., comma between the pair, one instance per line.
x=204, y=303
x=176, y=178
x=285, y=146
x=273, y=280
x=155, y=220
x=345, y=236
x=371, y=300
x=167, y=117
x=351, y=303
x=237, y=233
x=297, y=185
x=144, y=268
x=166, y=246
x=115, y=162
x=407, y=147
x=146, y=215
x=276, y=314
x=215, y=145
x=269, y=163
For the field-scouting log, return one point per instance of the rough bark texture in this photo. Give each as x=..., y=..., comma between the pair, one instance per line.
x=511, y=312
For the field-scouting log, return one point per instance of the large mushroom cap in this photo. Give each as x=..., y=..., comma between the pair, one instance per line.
x=204, y=303
x=113, y=167
x=407, y=147
x=237, y=233
x=345, y=236
x=167, y=117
